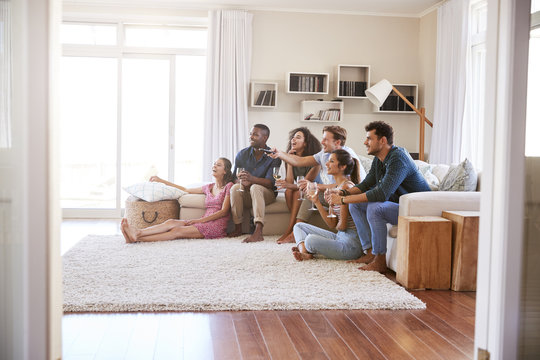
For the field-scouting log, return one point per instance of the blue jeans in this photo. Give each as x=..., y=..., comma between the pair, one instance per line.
x=370, y=219
x=344, y=245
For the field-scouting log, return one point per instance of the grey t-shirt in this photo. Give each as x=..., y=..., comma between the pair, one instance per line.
x=322, y=158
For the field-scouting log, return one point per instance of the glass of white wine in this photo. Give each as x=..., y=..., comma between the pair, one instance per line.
x=238, y=171
x=312, y=190
x=327, y=194
x=276, y=172
x=298, y=179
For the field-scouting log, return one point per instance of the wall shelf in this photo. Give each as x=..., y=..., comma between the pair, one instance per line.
x=395, y=105
x=307, y=83
x=321, y=111
x=264, y=94
x=352, y=81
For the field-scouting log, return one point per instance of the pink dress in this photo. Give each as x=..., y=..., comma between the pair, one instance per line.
x=215, y=228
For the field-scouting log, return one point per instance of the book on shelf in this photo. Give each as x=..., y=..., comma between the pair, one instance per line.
x=267, y=97
x=260, y=98
x=273, y=98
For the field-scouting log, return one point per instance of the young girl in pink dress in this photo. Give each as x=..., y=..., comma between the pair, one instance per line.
x=212, y=225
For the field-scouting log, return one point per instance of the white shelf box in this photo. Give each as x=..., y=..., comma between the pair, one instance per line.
x=352, y=81
x=395, y=105
x=307, y=83
x=322, y=111
x=264, y=94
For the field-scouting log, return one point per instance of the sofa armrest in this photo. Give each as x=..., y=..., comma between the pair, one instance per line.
x=433, y=203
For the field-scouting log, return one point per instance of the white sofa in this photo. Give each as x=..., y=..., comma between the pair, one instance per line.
x=430, y=203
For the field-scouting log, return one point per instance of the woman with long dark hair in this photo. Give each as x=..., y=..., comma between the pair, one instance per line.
x=301, y=143
x=212, y=225
x=345, y=244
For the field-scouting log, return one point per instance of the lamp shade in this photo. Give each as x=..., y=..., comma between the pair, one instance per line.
x=378, y=93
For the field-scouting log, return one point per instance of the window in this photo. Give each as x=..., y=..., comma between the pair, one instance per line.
x=473, y=120
x=132, y=107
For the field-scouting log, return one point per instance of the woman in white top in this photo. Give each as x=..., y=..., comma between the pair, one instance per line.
x=343, y=245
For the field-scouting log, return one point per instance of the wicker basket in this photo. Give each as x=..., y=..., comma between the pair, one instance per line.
x=142, y=214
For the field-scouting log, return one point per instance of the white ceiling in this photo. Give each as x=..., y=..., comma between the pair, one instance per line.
x=382, y=7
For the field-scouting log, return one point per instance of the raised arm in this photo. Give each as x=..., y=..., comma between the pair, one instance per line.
x=294, y=160
x=198, y=190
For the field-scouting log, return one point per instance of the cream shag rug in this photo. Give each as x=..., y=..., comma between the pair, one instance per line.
x=104, y=274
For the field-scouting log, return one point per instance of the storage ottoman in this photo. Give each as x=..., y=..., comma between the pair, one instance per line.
x=142, y=214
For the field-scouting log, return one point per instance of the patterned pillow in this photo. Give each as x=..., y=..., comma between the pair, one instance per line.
x=366, y=162
x=426, y=170
x=461, y=177
x=154, y=191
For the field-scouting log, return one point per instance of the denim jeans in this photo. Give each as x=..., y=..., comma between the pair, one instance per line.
x=344, y=245
x=370, y=219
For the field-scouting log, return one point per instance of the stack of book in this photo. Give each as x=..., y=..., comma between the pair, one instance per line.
x=266, y=98
x=352, y=88
x=306, y=83
x=325, y=115
x=395, y=103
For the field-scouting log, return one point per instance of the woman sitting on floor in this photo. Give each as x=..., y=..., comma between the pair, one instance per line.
x=302, y=143
x=343, y=245
x=212, y=225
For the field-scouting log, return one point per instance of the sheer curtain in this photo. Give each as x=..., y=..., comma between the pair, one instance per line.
x=229, y=65
x=450, y=80
x=5, y=75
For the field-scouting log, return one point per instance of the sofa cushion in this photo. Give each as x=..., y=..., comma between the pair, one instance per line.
x=461, y=177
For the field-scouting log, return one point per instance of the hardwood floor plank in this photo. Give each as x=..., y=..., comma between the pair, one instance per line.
x=303, y=340
x=330, y=341
x=197, y=337
x=402, y=326
x=460, y=341
x=352, y=336
x=389, y=321
x=143, y=338
x=454, y=314
x=277, y=340
x=93, y=328
x=378, y=336
x=117, y=336
x=170, y=337
x=224, y=336
x=250, y=340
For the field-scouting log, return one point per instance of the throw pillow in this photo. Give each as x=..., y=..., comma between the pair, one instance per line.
x=366, y=162
x=461, y=177
x=426, y=170
x=154, y=191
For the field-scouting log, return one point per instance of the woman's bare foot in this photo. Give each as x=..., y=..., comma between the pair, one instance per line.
x=364, y=259
x=295, y=248
x=300, y=256
x=130, y=234
x=378, y=264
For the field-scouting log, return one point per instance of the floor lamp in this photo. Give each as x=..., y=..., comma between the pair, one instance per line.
x=378, y=93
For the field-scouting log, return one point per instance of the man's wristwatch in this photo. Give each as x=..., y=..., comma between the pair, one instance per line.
x=343, y=200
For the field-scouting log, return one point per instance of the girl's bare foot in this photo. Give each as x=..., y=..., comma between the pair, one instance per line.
x=286, y=238
x=295, y=248
x=300, y=256
x=130, y=234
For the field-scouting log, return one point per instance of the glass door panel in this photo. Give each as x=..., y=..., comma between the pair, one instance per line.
x=189, y=127
x=88, y=114
x=145, y=120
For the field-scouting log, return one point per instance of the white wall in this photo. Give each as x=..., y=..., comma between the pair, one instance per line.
x=284, y=42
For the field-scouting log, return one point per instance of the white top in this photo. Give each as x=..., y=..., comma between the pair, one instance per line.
x=322, y=158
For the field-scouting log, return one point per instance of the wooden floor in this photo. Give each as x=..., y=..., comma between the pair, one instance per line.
x=445, y=330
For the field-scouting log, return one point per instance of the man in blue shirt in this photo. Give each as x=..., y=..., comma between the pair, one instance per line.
x=375, y=201
x=256, y=183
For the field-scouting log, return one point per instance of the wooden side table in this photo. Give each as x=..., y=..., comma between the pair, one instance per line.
x=464, y=248
x=424, y=251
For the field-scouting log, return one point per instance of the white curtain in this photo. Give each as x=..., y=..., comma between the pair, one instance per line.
x=5, y=75
x=450, y=80
x=229, y=66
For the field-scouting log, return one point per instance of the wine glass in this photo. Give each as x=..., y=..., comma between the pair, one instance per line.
x=276, y=172
x=327, y=195
x=312, y=190
x=238, y=171
x=298, y=179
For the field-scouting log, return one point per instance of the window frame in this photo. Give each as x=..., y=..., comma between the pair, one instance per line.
x=119, y=52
